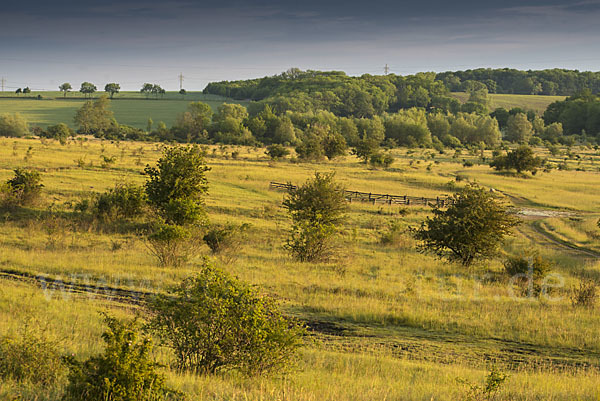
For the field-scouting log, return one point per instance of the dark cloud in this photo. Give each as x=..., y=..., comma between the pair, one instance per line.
x=133, y=40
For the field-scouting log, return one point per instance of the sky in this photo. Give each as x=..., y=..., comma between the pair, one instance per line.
x=45, y=43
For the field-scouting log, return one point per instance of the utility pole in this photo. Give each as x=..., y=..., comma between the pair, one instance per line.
x=180, y=81
x=386, y=69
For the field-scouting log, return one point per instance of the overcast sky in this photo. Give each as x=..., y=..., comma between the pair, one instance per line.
x=45, y=43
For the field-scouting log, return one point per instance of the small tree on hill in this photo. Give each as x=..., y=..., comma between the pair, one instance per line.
x=87, y=88
x=94, y=117
x=64, y=88
x=175, y=190
x=365, y=149
x=176, y=186
x=471, y=228
x=112, y=88
x=147, y=89
x=334, y=145
x=316, y=209
x=520, y=159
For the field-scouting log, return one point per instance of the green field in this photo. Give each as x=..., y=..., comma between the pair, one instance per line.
x=537, y=103
x=130, y=108
x=388, y=322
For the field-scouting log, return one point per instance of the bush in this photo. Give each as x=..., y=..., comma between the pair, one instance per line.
x=277, y=151
x=520, y=159
x=471, y=228
x=226, y=241
x=21, y=190
x=214, y=322
x=176, y=185
x=13, y=125
x=31, y=357
x=316, y=208
x=381, y=159
x=61, y=132
x=121, y=202
x=586, y=295
x=172, y=245
x=493, y=383
x=125, y=372
x=535, y=267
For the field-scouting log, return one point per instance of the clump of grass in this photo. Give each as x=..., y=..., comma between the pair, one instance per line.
x=586, y=295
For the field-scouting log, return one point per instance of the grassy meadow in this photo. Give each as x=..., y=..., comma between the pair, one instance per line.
x=386, y=322
x=130, y=108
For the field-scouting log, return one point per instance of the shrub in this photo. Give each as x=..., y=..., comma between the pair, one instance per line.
x=61, y=132
x=277, y=151
x=535, y=267
x=381, y=159
x=172, y=245
x=30, y=356
x=316, y=209
x=225, y=241
x=213, y=322
x=121, y=202
x=125, y=372
x=23, y=189
x=493, y=383
x=471, y=228
x=586, y=295
x=520, y=159
x=13, y=125
x=176, y=185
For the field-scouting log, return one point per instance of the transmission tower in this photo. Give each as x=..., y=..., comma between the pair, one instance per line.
x=386, y=69
x=181, y=81
x=3, y=82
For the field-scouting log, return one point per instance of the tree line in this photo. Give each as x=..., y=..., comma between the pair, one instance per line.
x=507, y=80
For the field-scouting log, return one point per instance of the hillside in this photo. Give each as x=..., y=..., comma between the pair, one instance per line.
x=382, y=318
x=537, y=103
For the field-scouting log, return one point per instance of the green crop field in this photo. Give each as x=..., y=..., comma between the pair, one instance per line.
x=130, y=108
x=386, y=322
x=537, y=103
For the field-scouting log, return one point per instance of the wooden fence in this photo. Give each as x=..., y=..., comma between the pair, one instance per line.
x=387, y=199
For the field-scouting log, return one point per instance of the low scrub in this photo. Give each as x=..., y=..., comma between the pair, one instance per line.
x=124, y=201
x=125, y=372
x=172, y=245
x=213, y=322
x=585, y=295
x=30, y=356
x=226, y=241
x=22, y=190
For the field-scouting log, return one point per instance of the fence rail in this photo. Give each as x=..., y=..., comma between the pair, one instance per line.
x=387, y=199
